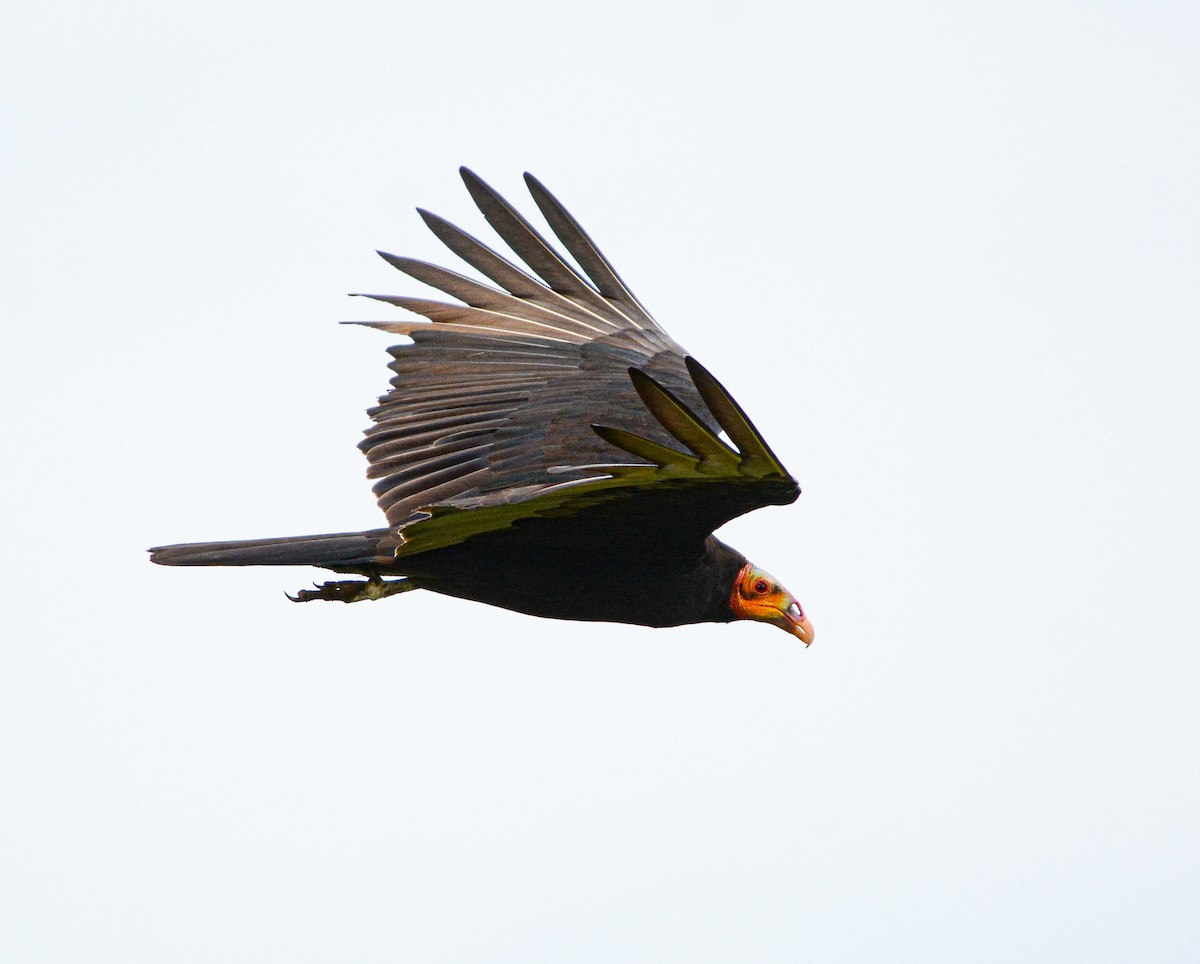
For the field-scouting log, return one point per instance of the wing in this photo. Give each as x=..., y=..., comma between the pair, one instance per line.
x=491, y=412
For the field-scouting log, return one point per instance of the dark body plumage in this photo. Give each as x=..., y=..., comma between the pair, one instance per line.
x=545, y=447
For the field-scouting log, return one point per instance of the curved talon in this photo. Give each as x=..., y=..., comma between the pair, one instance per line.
x=330, y=591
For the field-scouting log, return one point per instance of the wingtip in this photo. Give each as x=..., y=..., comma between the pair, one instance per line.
x=694, y=367
x=482, y=193
x=442, y=229
x=540, y=193
x=639, y=378
x=736, y=423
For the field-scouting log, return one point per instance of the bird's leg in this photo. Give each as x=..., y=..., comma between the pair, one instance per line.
x=353, y=590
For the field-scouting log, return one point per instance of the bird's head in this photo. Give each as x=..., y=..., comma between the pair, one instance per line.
x=756, y=595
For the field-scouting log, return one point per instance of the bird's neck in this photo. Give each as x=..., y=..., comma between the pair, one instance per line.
x=719, y=570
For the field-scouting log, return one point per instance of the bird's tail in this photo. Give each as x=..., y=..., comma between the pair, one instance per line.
x=341, y=552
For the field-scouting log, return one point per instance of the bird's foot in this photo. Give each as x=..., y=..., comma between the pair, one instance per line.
x=354, y=590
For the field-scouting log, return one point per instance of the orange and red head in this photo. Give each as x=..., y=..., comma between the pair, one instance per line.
x=756, y=595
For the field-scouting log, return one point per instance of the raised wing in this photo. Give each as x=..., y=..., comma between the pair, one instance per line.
x=491, y=412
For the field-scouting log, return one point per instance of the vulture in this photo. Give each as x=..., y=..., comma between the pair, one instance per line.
x=547, y=448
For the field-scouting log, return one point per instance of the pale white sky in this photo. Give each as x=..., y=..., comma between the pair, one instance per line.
x=946, y=257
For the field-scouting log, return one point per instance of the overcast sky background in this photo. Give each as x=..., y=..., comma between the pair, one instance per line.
x=946, y=257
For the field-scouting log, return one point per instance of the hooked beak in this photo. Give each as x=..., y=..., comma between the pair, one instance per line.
x=803, y=629
x=796, y=623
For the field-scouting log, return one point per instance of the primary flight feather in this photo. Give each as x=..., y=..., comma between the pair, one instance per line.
x=546, y=447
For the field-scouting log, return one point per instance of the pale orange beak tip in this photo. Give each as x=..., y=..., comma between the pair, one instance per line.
x=803, y=629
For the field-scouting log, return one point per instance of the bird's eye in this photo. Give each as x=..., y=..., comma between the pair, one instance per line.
x=761, y=587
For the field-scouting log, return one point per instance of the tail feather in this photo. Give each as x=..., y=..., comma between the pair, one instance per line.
x=343, y=551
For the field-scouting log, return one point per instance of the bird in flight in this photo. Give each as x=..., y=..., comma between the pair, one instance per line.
x=547, y=448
